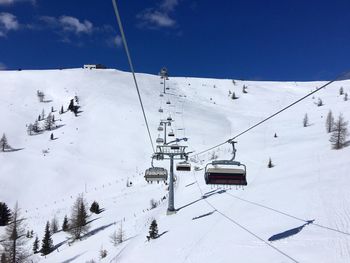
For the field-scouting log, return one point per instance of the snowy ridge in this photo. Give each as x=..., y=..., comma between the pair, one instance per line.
x=107, y=145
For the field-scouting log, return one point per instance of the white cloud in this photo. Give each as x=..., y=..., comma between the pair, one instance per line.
x=11, y=2
x=8, y=22
x=68, y=24
x=159, y=17
x=73, y=24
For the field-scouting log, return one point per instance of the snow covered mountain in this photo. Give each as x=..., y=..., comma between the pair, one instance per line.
x=104, y=148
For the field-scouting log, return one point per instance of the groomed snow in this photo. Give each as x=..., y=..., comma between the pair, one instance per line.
x=97, y=152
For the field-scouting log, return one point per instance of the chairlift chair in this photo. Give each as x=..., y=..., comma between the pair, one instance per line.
x=156, y=174
x=183, y=166
x=160, y=110
x=168, y=102
x=160, y=128
x=161, y=95
x=171, y=134
x=169, y=118
x=159, y=140
x=226, y=172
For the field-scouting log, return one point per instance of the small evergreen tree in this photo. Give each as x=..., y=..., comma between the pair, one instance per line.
x=65, y=225
x=153, y=230
x=234, y=97
x=319, y=102
x=329, y=121
x=339, y=133
x=306, y=120
x=36, y=245
x=52, y=109
x=47, y=244
x=43, y=115
x=244, y=89
x=54, y=225
x=4, y=143
x=36, y=127
x=52, y=137
x=79, y=216
x=3, y=258
x=14, y=241
x=103, y=253
x=270, y=164
x=5, y=214
x=30, y=129
x=61, y=110
x=95, y=208
x=346, y=97
x=341, y=91
x=275, y=135
x=49, y=122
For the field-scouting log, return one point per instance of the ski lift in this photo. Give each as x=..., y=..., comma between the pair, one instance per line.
x=159, y=140
x=183, y=166
x=168, y=102
x=171, y=134
x=160, y=110
x=161, y=82
x=161, y=95
x=169, y=118
x=226, y=172
x=167, y=88
x=160, y=128
x=156, y=174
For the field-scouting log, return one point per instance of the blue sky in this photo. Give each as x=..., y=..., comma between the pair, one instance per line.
x=247, y=39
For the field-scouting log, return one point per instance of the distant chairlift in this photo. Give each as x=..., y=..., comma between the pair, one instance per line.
x=159, y=140
x=226, y=172
x=160, y=110
x=183, y=166
x=168, y=102
x=160, y=128
x=169, y=118
x=161, y=95
x=156, y=174
x=171, y=134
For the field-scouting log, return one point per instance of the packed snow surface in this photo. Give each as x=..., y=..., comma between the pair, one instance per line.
x=106, y=147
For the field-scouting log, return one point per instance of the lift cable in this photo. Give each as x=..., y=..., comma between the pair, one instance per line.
x=243, y=227
x=131, y=68
x=288, y=215
x=340, y=77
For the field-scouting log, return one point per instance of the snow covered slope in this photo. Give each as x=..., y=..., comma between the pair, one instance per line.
x=106, y=146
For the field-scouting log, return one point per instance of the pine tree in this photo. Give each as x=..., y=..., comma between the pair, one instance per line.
x=61, y=110
x=65, y=225
x=5, y=214
x=234, y=97
x=339, y=133
x=54, y=225
x=43, y=115
x=4, y=143
x=79, y=216
x=120, y=234
x=319, y=102
x=270, y=164
x=346, y=97
x=30, y=129
x=153, y=230
x=329, y=121
x=341, y=91
x=49, y=122
x=14, y=241
x=52, y=137
x=95, y=208
x=47, y=244
x=3, y=258
x=275, y=135
x=306, y=120
x=36, y=127
x=52, y=109
x=36, y=245
x=244, y=89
